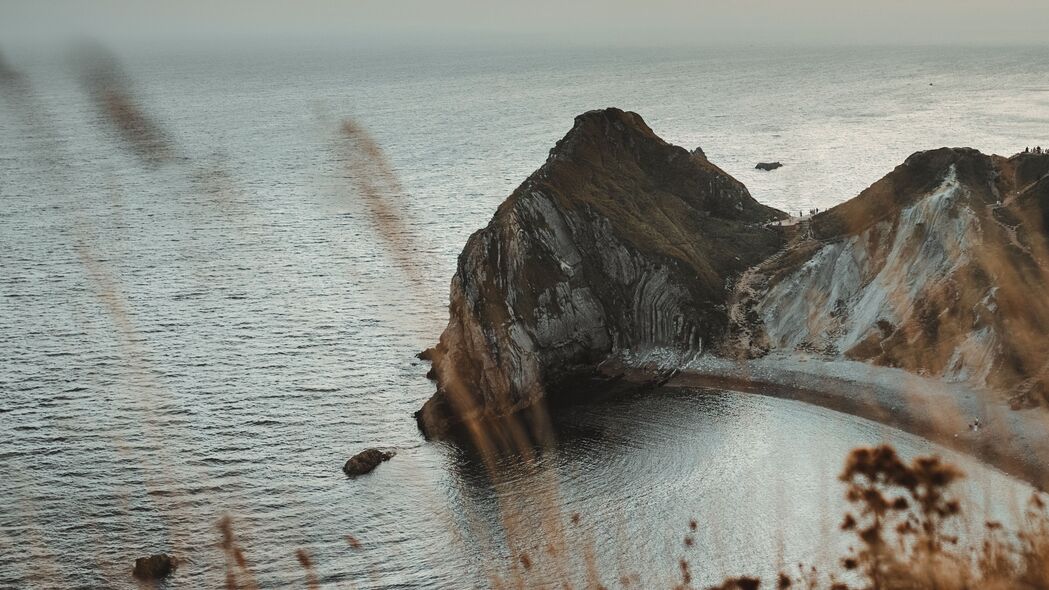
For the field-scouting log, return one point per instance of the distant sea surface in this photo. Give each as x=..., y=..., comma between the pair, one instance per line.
x=216, y=331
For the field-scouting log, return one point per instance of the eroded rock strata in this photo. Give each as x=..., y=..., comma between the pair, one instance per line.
x=939, y=268
x=619, y=240
x=623, y=242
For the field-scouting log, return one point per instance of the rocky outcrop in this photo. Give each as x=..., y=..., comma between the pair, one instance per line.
x=154, y=567
x=939, y=268
x=620, y=240
x=365, y=461
x=623, y=243
x=768, y=166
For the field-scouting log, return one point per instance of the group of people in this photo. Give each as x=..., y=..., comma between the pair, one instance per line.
x=1036, y=150
x=811, y=212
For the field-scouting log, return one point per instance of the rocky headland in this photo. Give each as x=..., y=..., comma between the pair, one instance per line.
x=620, y=240
x=622, y=246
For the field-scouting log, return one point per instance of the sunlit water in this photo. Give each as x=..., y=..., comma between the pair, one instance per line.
x=217, y=334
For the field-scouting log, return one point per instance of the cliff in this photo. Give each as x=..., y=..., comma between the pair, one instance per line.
x=939, y=268
x=619, y=240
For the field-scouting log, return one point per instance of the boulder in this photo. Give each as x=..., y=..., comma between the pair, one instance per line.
x=154, y=567
x=619, y=241
x=768, y=166
x=366, y=461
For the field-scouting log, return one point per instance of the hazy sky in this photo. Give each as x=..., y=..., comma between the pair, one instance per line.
x=623, y=22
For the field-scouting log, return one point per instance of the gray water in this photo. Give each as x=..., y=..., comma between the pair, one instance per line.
x=215, y=333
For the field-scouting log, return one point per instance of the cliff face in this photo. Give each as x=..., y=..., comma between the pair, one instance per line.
x=939, y=268
x=622, y=242
x=619, y=240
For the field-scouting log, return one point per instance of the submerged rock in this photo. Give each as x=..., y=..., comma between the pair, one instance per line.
x=620, y=240
x=365, y=461
x=768, y=166
x=154, y=567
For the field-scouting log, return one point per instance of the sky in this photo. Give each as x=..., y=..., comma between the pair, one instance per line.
x=603, y=22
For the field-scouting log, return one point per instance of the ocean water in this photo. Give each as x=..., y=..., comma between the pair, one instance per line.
x=214, y=330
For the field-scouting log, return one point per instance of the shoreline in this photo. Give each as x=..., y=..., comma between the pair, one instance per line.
x=1012, y=441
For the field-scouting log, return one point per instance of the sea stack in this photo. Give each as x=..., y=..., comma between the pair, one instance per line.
x=619, y=241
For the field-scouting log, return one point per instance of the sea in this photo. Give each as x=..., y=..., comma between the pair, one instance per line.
x=204, y=312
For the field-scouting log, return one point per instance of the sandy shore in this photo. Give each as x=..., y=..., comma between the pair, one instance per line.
x=1016, y=442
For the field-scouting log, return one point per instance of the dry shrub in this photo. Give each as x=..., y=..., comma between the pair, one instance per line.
x=238, y=573
x=307, y=564
x=110, y=89
x=898, y=517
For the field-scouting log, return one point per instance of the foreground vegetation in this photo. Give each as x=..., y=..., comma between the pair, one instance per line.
x=900, y=516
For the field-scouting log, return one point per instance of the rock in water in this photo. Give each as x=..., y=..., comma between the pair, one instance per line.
x=365, y=462
x=154, y=567
x=767, y=166
x=619, y=241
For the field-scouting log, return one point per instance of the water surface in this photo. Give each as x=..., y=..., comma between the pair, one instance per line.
x=217, y=332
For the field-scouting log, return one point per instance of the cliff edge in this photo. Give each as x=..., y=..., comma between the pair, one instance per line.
x=619, y=240
x=939, y=268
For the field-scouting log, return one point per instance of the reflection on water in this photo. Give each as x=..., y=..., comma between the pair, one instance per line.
x=758, y=474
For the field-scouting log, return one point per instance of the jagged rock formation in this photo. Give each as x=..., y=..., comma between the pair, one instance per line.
x=619, y=240
x=939, y=268
x=622, y=242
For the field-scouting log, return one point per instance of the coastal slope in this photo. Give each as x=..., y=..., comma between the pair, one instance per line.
x=939, y=268
x=619, y=240
x=622, y=246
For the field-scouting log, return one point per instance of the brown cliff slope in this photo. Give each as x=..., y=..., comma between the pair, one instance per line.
x=940, y=268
